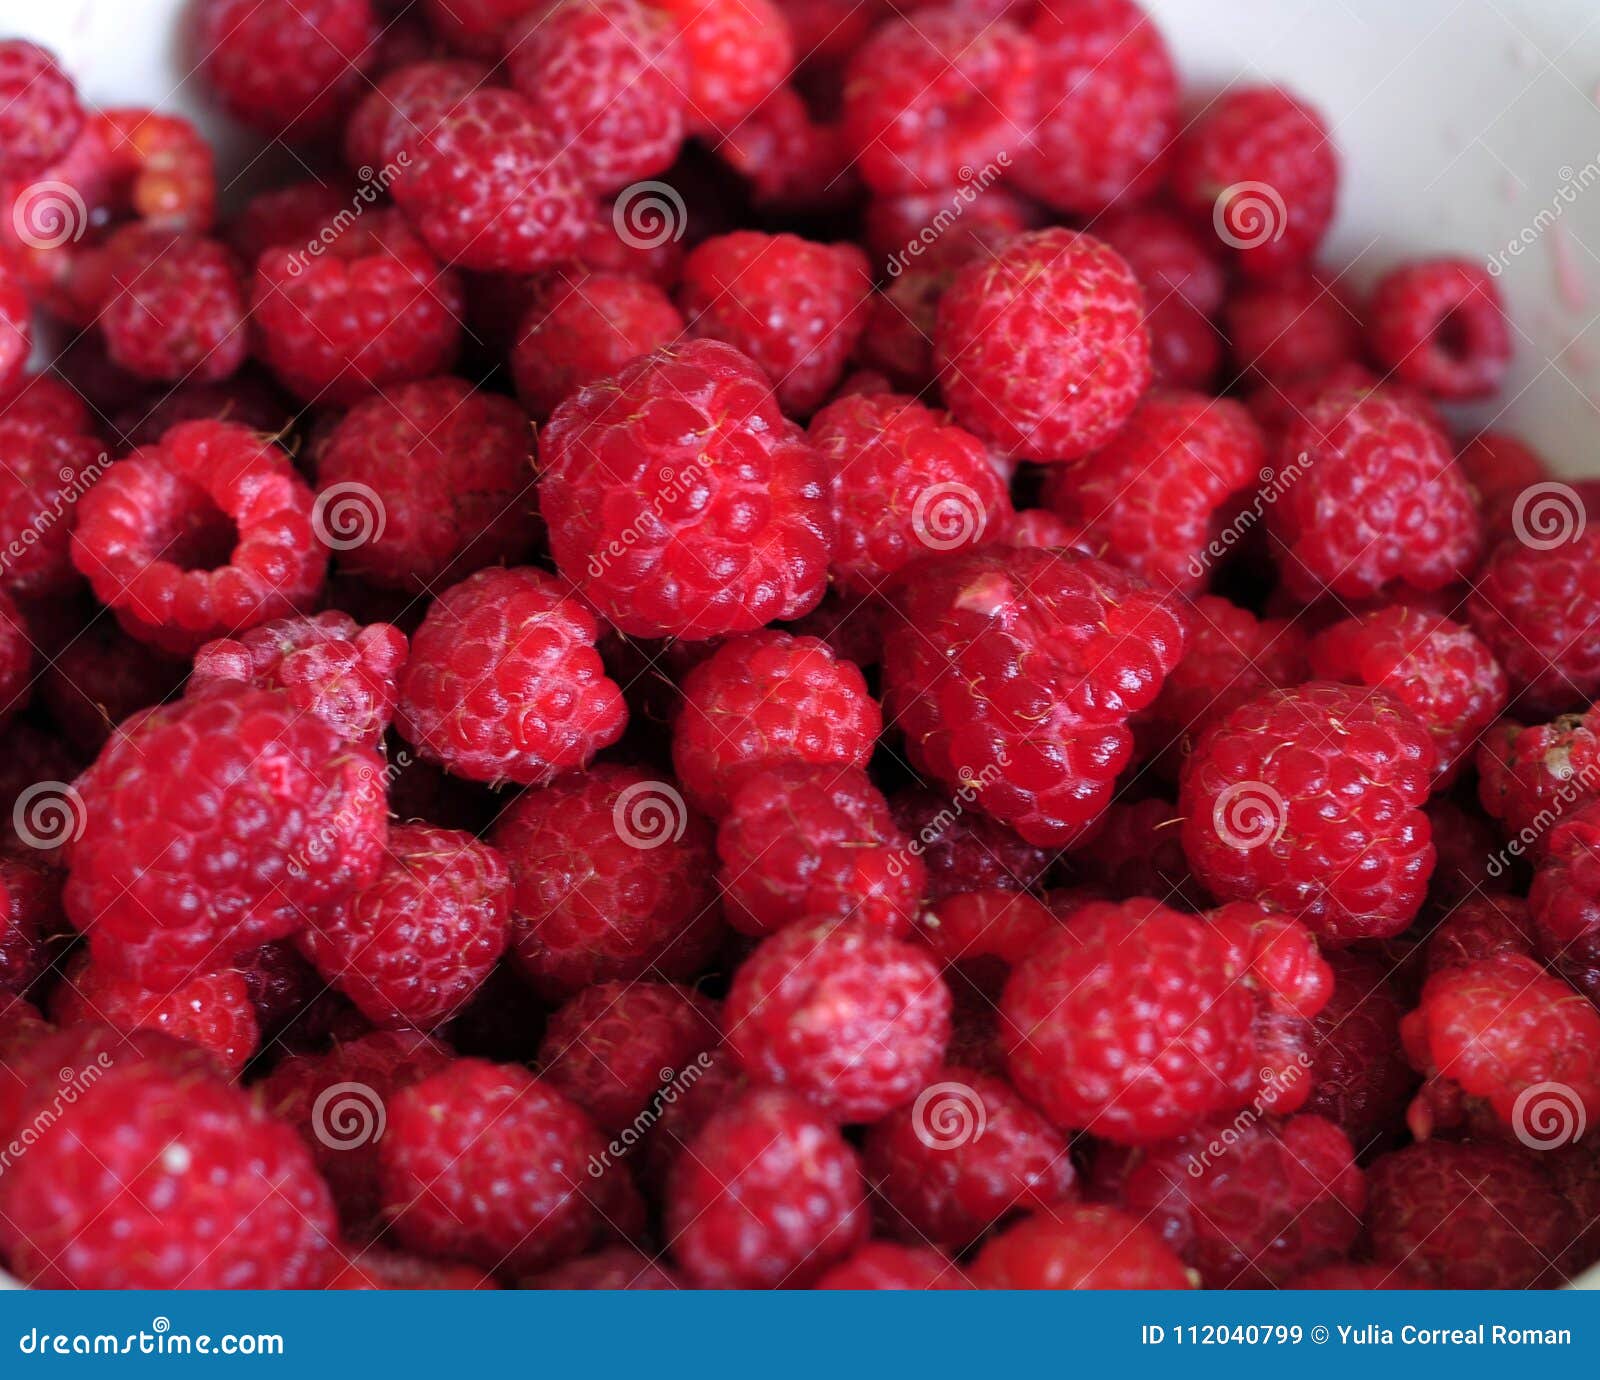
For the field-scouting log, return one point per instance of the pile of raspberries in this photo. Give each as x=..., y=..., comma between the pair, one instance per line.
x=770, y=643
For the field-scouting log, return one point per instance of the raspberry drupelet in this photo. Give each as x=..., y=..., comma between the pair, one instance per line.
x=1087, y=1247
x=1440, y=327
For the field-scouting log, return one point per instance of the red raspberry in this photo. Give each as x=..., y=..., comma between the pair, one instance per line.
x=792, y=162
x=504, y=683
x=287, y=68
x=1537, y=605
x=1138, y=852
x=1466, y=1216
x=163, y=1177
x=963, y=850
x=932, y=100
x=1042, y=347
x=612, y=878
x=883, y=1265
x=1168, y=258
x=488, y=187
x=1260, y=165
x=162, y=167
x=1108, y=106
x=581, y=328
x=982, y=935
x=1291, y=327
x=175, y=308
x=614, y=1267
x=767, y=1193
x=1500, y=468
x=16, y=330
x=897, y=229
x=1437, y=669
x=794, y=307
x=45, y=403
x=802, y=842
x=451, y=469
x=1088, y=1247
x=1530, y=777
x=1152, y=500
x=906, y=481
x=30, y=915
x=404, y=106
x=478, y=27
x=282, y=217
x=898, y=337
x=1184, y=349
x=39, y=111
x=331, y=666
x=618, y=1048
x=1439, y=326
x=246, y=398
x=963, y=1156
x=204, y=534
x=738, y=52
x=211, y=1010
x=1310, y=801
x=1055, y=653
x=1344, y=1276
x=210, y=826
x=48, y=467
x=680, y=500
x=1481, y=927
x=1360, y=1080
x=354, y=310
x=768, y=700
x=1468, y=848
x=1566, y=898
x=376, y=1268
x=828, y=30
x=484, y=1163
x=852, y=1019
x=609, y=80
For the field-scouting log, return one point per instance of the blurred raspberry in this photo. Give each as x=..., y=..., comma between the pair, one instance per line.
x=1088, y=1247
x=964, y=850
x=1290, y=327
x=1439, y=326
x=39, y=111
x=402, y=108
x=1361, y=1081
x=738, y=53
x=174, y=306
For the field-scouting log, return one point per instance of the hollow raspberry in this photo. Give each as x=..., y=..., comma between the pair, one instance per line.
x=1440, y=326
x=1087, y=1247
x=175, y=306
x=738, y=52
x=39, y=111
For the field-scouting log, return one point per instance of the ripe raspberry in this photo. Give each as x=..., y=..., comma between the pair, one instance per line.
x=1166, y=256
x=1042, y=348
x=963, y=850
x=906, y=481
x=488, y=188
x=883, y=1265
x=373, y=1267
x=1138, y=852
x=614, y=1267
x=1261, y=166
x=329, y=665
x=1376, y=499
x=48, y=466
x=213, y=825
x=681, y=502
x=163, y=1177
x=175, y=307
x=794, y=307
x=30, y=916
x=478, y=27
x=1468, y=846
x=504, y=683
x=804, y=842
x=357, y=310
x=608, y=79
x=1088, y=1247
x=1500, y=468
x=898, y=337
x=1439, y=326
x=1152, y=500
x=39, y=111
x=1053, y=654
x=1356, y=1277
x=1565, y=898
x=484, y=1163
x=402, y=107
x=452, y=471
x=1360, y=1079
x=581, y=328
x=967, y=1153
x=792, y=163
x=246, y=398
x=738, y=51
x=45, y=403
x=1310, y=801
x=162, y=168
x=930, y=100
x=612, y=880
x=1291, y=327
x=618, y=1047
x=1466, y=1216
x=16, y=330
x=767, y=1193
x=281, y=985
x=1436, y=668
x=1108, y=106
x=768, y=700
x=1530, y=777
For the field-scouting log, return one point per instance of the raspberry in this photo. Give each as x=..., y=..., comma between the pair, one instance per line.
x=451, y=468
x=1042, y=347
x=1356, y=1277
x=1466, y=1216
x=1360, y=1079
x=609, y=80
x=478, y=27
x=581, y=328
x=767, y=700
x=681, y=502
x=1168, y=258
x=176, y=307
x=286, y=68
x=1437, y=669
x=329, y=665
x=981, y=936
x=1088, y=1247
x=1184, y=349
x=163, y=1177
x=488, y=188
x=281, y=985
x=1261, y=166
x=354, y=310
x=402, y=107
x=47, y=469
x=1376, y=499
x=1565, y=898
x=376, y=1268
x=617, y=1048
x=1310, y=801
x=1530, y=777
x=963, y=850
x=1499, y=468
x=883, y=1265
x=1151, y=500
x=45, y=403
x=163, y=168
x=1291, y=327
x=204, y=534
x=246, y=398
x=896, y=229
x=485, y=1163
x=791, y=162
x=1108, y=106
x=1468, y=847
x=39, y=111
x=738, y=53
x=612, y=879
x=906, y=481
x=16, y=330
x=1053, y=653
x=213, y=825
x=1439, y=326
x=30, y=915
x=100, y=678
x=802, y=842
x=504, y=683
x=614, y=1267
x=897, y=339
x=852, y=1019
x=931, y=100
x=767, y=1193
x=1138, y=852
x=794, y=307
